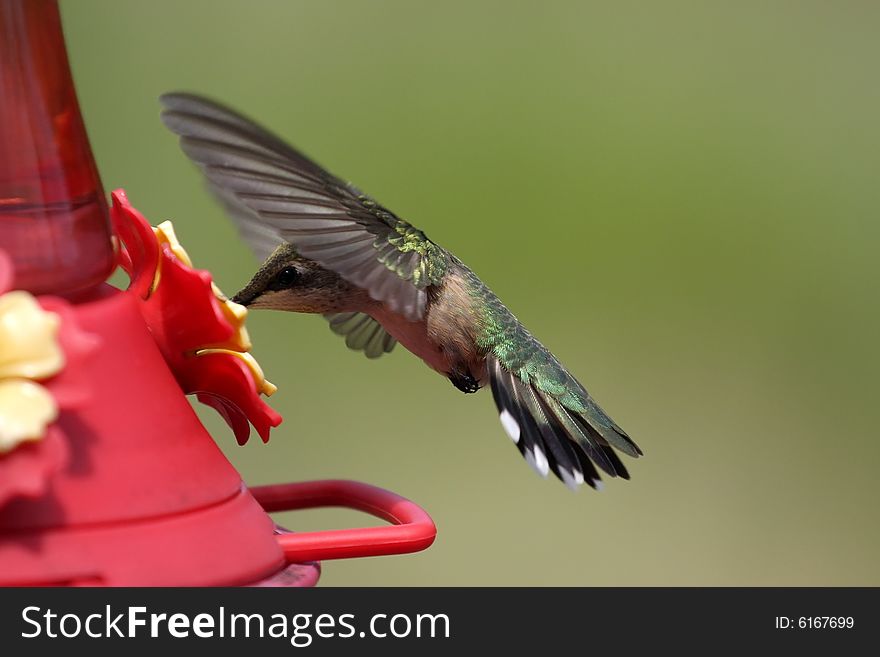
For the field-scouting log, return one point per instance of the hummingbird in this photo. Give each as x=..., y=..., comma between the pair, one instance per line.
x=329, y=248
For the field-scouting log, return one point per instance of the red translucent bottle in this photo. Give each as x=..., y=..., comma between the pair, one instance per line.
x=54, y=222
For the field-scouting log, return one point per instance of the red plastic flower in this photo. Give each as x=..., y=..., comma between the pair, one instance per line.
x=42, y=351
x=198, y=330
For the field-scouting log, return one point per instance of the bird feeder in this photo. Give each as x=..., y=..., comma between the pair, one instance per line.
x=107, y=477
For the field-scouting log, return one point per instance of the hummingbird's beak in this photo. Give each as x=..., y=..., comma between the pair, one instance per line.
x=244, y=298
x=250, y=292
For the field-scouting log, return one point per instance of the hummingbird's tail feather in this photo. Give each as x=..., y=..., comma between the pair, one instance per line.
x=538, y=439
x=550, y=436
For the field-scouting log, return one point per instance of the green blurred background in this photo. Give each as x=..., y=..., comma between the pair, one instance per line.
x=680, y=199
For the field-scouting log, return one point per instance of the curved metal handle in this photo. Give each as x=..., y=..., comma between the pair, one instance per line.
x=412, y=529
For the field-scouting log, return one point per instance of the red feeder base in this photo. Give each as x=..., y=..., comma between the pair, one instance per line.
x=144, y=497
x=148, y=499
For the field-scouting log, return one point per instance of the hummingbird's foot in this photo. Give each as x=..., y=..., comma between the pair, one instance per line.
x=464, y=382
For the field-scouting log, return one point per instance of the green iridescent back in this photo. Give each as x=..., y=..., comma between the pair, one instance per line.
x=433, y=261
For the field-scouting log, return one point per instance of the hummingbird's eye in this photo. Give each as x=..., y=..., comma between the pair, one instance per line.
x=284, y=279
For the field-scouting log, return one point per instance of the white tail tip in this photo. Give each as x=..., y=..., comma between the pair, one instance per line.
x=511, y=426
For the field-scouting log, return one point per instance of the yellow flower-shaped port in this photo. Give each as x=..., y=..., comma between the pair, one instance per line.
x=199, y=331
x=29, y=347
x=26, y=409
x=239, y=344
x=29, y=350
x=234, y=313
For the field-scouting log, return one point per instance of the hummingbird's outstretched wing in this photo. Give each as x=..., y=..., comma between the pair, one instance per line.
x=326, y=219
x=262, y=239
x=362, y=333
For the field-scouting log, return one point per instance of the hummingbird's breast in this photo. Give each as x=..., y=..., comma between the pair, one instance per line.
x=446, y=337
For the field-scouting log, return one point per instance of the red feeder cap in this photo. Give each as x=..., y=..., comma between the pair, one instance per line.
x=54, y=222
